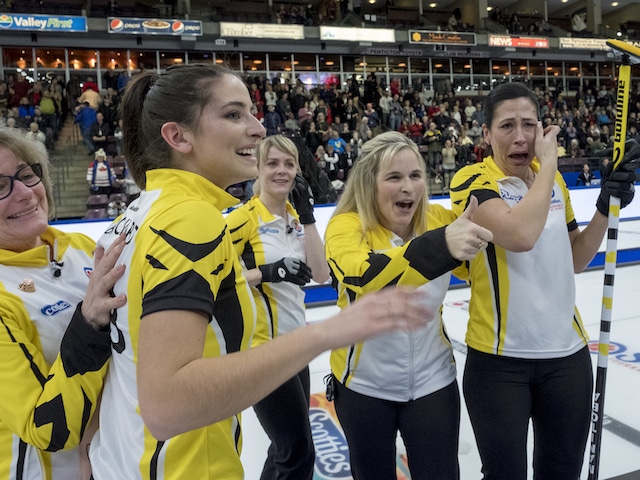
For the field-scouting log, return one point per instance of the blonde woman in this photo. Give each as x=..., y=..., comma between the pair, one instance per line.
x=281, y=250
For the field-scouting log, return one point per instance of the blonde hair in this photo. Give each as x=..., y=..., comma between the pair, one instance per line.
x=279, y=142
x=30, y=152
x=361, y=195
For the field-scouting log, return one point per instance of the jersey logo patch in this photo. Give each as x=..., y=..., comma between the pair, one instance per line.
x=51, y=310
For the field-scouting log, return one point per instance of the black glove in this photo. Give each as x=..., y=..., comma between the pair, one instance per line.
x=303, y=201
x=286, y=270
x=619, y=182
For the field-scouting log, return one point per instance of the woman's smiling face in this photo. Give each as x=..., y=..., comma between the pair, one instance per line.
x=24, y=213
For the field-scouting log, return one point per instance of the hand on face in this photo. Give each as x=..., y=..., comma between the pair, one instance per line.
x=546, y=144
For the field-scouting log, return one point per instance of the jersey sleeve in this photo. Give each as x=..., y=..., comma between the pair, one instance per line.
x=471, y=180
x=572, y=223
x=187, y=259
x=240, y=228
x=49, y=406
x=355, y=263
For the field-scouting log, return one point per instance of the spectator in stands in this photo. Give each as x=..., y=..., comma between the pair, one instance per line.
x=570, y=133
x=416, y=131
x=346, y=133
x=299, y=101
x=373, y=120
x=34, y=133
x=478, y=115
x=109, y=113
x=579, y=21
x=350, y=114
x=272, y=121
x=283, y=105
x=337, y=142
x=21, y=86
x=101, y=176
x=270, y=97
x=331, y=159
x=385, y=108
x=36, y=93
x=574, y=150
x=469, y=110
x=118, y=134
x=449, y=161
x=313, y=138
x=90, y=94
x=356, y=142
x=363, y=129
x=25, y=112
x=110, y=79
x=85, y=118
x=291, y=124
x=395, y=112
x=480, y=149
x=452, y=23
x=322, y=126
x=433, y=138
x=123, y=78
x=562, y=151
x=585, y=176
x=4, y=94
x=347, y=160
x=475, y=131
x=593, y=146
x=49, y=110
x=100, y=133
x=408, y=113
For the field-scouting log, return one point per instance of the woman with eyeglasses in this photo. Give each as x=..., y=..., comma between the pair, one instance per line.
x=54, y=349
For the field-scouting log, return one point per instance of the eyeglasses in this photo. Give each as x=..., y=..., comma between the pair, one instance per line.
x=30, y=175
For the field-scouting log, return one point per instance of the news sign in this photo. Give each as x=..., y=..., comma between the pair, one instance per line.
x=507, y=41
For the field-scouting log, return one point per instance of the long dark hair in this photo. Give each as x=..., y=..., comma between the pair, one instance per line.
x=151, y=100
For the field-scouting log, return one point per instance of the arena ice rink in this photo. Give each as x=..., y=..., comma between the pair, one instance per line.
x=620, y=451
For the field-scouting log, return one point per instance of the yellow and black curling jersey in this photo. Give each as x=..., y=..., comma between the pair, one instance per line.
x=397, y=366
x=261, y=238
x=522, y=303
x=46, y=399
x=179, y=256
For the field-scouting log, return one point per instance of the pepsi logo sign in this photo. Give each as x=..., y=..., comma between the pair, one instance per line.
x=116, y=24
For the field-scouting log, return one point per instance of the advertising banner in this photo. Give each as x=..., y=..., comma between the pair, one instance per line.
x=43, y=23
x=154, y=26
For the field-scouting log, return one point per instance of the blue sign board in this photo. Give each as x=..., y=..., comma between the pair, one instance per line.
x=154, y=26
x=42, y=23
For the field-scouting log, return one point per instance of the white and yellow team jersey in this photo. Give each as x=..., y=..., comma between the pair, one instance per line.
x=46, y=400
x=397, y=366
x=179, y=256
x=261, y=238
x=523, y=303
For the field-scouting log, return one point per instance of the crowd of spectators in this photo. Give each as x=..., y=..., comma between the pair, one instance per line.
x=42, y=106
x=37, y=107
x=334, y=122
